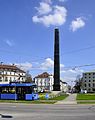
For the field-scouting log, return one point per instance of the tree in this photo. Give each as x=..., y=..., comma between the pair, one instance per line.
x=28, y=77
x=78, y=84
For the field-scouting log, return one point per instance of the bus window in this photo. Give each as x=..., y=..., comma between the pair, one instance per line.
x=8, y=90
x=34, y=89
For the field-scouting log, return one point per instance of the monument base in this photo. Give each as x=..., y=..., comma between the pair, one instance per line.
x=56, y=92
x=56, y=87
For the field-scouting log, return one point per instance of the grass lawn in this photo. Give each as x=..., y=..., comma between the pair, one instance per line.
x=61, y=97
x=86, y=102
x=85, y=96
x=29, y=102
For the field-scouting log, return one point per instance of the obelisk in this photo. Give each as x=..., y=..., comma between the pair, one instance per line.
x=56, y=86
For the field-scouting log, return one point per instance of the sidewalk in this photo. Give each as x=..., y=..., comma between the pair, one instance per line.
x=71, y=99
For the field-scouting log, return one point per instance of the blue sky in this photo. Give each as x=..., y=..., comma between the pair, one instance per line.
x=27, y=34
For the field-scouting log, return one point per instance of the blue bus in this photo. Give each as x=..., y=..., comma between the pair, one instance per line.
x=18, y=91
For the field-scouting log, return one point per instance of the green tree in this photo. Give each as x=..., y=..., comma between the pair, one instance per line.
x=78, y=84
x=28, y=77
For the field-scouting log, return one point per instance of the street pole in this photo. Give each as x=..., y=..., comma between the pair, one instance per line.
x=15, y=91
x=71, y=86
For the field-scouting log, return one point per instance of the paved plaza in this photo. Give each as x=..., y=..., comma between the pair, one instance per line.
x=15, y=111
x=71, y=99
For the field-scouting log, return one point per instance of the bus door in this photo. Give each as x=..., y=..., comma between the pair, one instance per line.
x=0, y=92
x=21, y=93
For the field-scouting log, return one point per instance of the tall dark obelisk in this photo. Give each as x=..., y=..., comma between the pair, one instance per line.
x=56, y=86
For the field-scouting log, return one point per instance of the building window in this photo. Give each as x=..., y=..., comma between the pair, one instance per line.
x=6, y=73
x=41, y=82
x=89, y=74
x=93, y=85
x=45, y=83
x=6, y=79
x=89, y=85
x=93, y=73
x=48, y=84
x=85, y=77
x=0, y=73
x=85, y=85
x=10, y=78
x=89, y=89
x=89, y=80
x=0, y=79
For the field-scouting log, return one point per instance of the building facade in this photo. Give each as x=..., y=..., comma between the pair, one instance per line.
x=64, y=86
x=11, y=73
x=45, y=82
x=88, y=81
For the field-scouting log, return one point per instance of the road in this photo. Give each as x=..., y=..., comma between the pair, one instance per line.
x=13, y=111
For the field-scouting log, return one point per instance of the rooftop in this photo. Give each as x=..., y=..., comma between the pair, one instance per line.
x=43, y=75
x=11, y=67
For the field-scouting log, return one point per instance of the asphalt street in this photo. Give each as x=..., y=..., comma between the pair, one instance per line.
x=15, y=111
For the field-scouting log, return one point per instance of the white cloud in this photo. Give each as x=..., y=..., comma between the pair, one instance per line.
x=76, y=24
x=50, y=15
x=72, y=71
x=70, y=74
x=44, y=8
x=62, y=0
x=61, y=66
x=67, y=75
x=9, y=43
x=24, y=66
x=48, y=64
x=48, y=1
